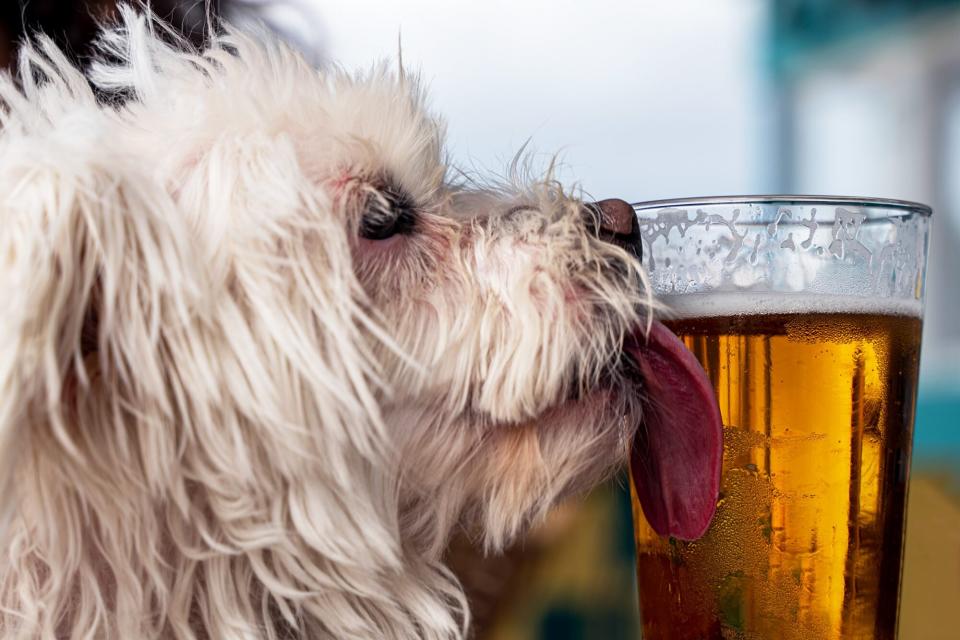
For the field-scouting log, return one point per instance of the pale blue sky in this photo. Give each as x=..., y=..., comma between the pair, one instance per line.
x=643, y=99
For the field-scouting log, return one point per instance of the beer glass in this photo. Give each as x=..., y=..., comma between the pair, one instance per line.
x=805, y=313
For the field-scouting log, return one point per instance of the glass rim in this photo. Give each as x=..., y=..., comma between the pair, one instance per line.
x=827, y=201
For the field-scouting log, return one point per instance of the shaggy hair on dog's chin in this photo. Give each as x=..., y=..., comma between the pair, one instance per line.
x=229, y=406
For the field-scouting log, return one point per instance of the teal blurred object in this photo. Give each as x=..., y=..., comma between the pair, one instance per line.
x=575, y=577
x=602, y=620
x=936, y=439
x=802, y=26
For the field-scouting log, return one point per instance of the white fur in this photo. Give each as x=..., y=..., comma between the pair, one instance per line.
x=225, y=415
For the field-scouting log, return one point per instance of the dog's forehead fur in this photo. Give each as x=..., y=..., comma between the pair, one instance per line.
x=228, y=415
x=373, y=121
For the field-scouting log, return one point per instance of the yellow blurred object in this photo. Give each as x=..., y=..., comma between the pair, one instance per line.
x=930, y=592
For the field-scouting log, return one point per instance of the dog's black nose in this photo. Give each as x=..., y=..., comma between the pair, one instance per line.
x=617, y=223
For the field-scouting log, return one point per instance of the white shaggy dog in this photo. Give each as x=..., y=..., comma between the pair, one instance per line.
x=260, y=354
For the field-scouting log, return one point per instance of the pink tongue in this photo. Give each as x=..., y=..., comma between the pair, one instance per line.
x=678, y=449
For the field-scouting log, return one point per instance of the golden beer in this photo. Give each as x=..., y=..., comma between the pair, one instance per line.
x=817, y=401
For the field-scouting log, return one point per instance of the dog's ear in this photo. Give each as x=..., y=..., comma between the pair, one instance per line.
x=93, y=263
x=93, y=269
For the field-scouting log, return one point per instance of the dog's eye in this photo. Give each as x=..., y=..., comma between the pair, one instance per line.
x=388, y=212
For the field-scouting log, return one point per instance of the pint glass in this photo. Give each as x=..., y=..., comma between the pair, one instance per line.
x=806, y=314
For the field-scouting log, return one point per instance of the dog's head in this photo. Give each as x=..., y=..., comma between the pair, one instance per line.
x=266, y=350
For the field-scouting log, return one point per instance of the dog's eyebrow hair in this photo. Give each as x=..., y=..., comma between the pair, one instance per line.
x=396, y=194
x=403, y=206
x=392, y=190
x=518, y=208
x=387, y=181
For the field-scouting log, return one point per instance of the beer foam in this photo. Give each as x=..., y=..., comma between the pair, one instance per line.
x=725, y=304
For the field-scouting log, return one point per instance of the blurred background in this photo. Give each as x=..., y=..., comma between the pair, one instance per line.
x=653, y=99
